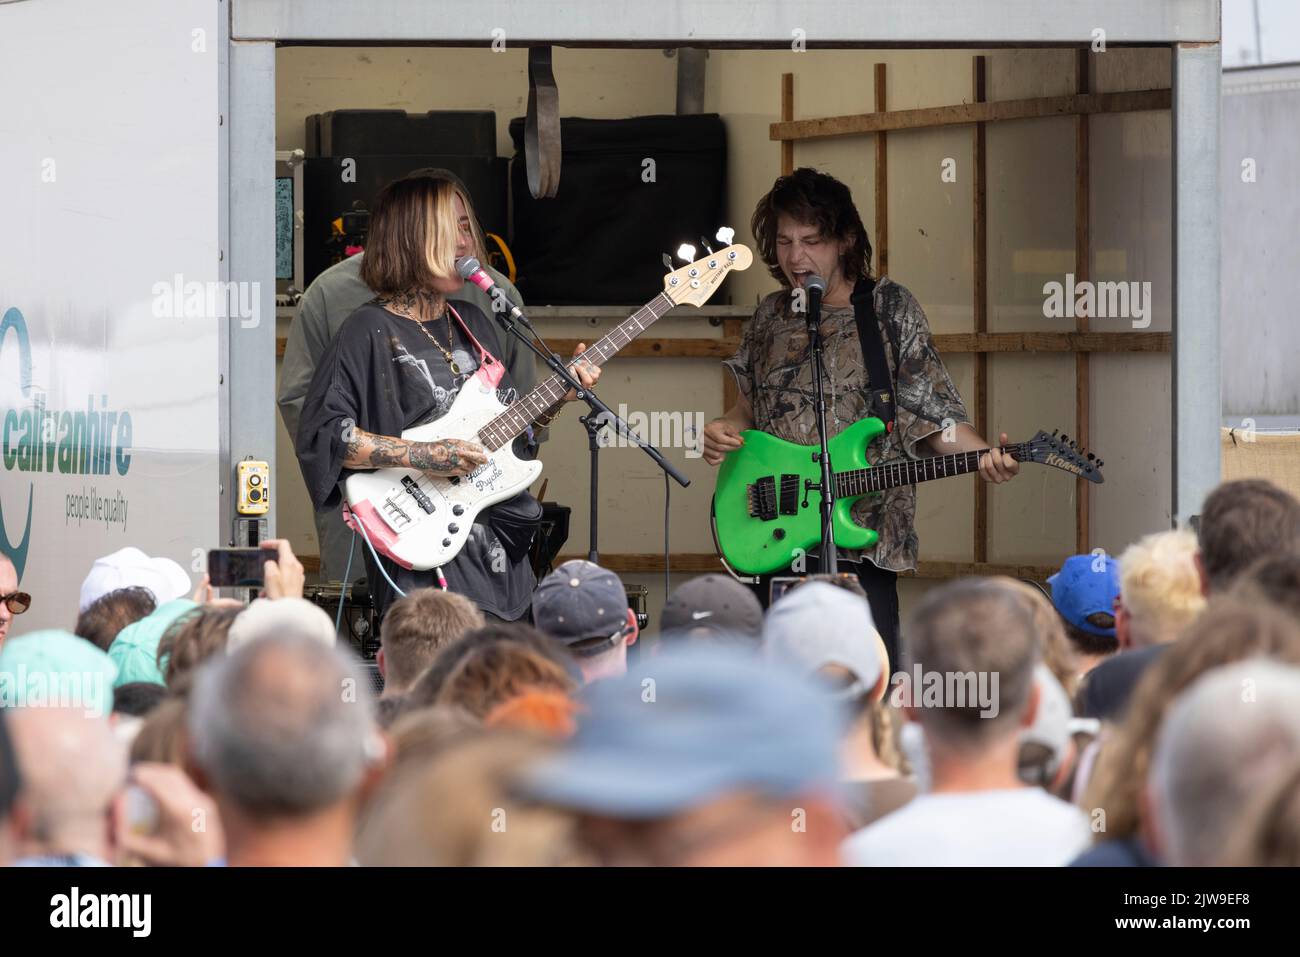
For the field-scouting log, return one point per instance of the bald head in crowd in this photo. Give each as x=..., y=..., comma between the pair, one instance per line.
x=71, y=767
x=1221, y=744
x=283, y=735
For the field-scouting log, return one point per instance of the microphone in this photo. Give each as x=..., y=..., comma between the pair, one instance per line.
x=815, y=286
x=471, y=270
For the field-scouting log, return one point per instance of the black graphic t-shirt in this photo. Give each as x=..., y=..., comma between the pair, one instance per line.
x=383, y=375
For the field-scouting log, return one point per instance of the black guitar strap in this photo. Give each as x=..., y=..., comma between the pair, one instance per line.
x=873, y=351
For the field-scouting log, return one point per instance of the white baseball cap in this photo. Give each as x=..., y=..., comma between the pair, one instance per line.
x=266, y=616
x=1052, y=722
x=820, y=624
x=129, y=567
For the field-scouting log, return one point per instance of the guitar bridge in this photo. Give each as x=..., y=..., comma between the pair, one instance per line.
x=394, y=515
x=762, y=498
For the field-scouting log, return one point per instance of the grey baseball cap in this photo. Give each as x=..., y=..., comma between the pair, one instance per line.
x=580, y=602
x=819, y=624
x=712, y=606
x=698, y=722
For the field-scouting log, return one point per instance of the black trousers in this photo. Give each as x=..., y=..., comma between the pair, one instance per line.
x=882, y=594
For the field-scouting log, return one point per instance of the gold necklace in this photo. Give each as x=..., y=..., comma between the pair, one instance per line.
x=451, y=361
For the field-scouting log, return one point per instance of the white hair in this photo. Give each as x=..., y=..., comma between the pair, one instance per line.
x=1219, y=743
x=1160, y=586
x=284, y=725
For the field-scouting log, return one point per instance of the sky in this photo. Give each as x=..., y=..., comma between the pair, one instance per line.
x=1279, y=32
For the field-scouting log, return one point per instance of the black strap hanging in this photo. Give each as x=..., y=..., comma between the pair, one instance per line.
x=542, y=126
x=873, y=351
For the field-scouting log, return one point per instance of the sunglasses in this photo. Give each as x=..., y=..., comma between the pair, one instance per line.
x=17, y=601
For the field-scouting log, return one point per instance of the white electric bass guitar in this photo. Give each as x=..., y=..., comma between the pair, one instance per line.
x=422, y=521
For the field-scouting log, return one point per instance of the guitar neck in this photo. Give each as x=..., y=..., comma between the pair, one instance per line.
x=913, y=472
x=503, y=429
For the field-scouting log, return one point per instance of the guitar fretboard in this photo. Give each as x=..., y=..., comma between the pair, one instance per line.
x=501, y=431
x=895, y=474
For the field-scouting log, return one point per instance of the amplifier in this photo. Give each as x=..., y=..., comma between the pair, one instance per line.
x=360, y=625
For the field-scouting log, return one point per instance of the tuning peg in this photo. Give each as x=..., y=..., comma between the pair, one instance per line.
x=1100, y=463
x=725, y=235
x=686, y=253
x=668, y=262
x=1065, y=438
x=1054, y=431
x=705, y=243
x=1091, y=456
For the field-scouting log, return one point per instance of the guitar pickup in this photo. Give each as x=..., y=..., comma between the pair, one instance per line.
x=413, y=489
x=762, y=499
x=789, y=494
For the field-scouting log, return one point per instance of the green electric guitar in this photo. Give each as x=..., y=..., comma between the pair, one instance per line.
x=763, y=511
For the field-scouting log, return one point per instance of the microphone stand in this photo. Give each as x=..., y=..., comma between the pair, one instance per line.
x=600, y=414
x=593, y=426
x=830, y=560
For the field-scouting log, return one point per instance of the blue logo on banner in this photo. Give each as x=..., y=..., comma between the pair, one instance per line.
x=14, y=319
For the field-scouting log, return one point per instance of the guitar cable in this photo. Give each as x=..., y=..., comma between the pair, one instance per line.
x=667, y=494
x=366, y=535
x=347, y=583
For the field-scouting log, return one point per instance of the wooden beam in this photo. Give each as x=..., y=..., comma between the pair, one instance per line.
x=666, y=348
x=947, y=570
x=1070, y=105
x=651, y=562
x=946, y=342
x=787, y=115
x=704, y=562
x=961, y=342
x=882, y=182
x=979, y=183
x=1082, y=272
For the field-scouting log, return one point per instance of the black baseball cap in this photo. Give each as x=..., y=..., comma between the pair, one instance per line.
x=712, y=606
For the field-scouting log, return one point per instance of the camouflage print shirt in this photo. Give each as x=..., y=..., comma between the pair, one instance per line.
x=774, y=372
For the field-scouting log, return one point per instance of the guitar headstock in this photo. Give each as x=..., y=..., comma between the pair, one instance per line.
x=1059, y=452
x=697, y=282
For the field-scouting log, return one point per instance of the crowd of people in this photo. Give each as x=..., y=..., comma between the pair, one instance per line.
x=1142, y=710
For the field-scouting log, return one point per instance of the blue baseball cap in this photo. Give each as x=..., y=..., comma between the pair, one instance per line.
x=135, y=649
x=690, y=725
x=1085, y=585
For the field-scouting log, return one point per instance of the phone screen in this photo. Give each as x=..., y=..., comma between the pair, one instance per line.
x=237, y=567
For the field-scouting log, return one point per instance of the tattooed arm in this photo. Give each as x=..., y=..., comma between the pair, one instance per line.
x=445, y=457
